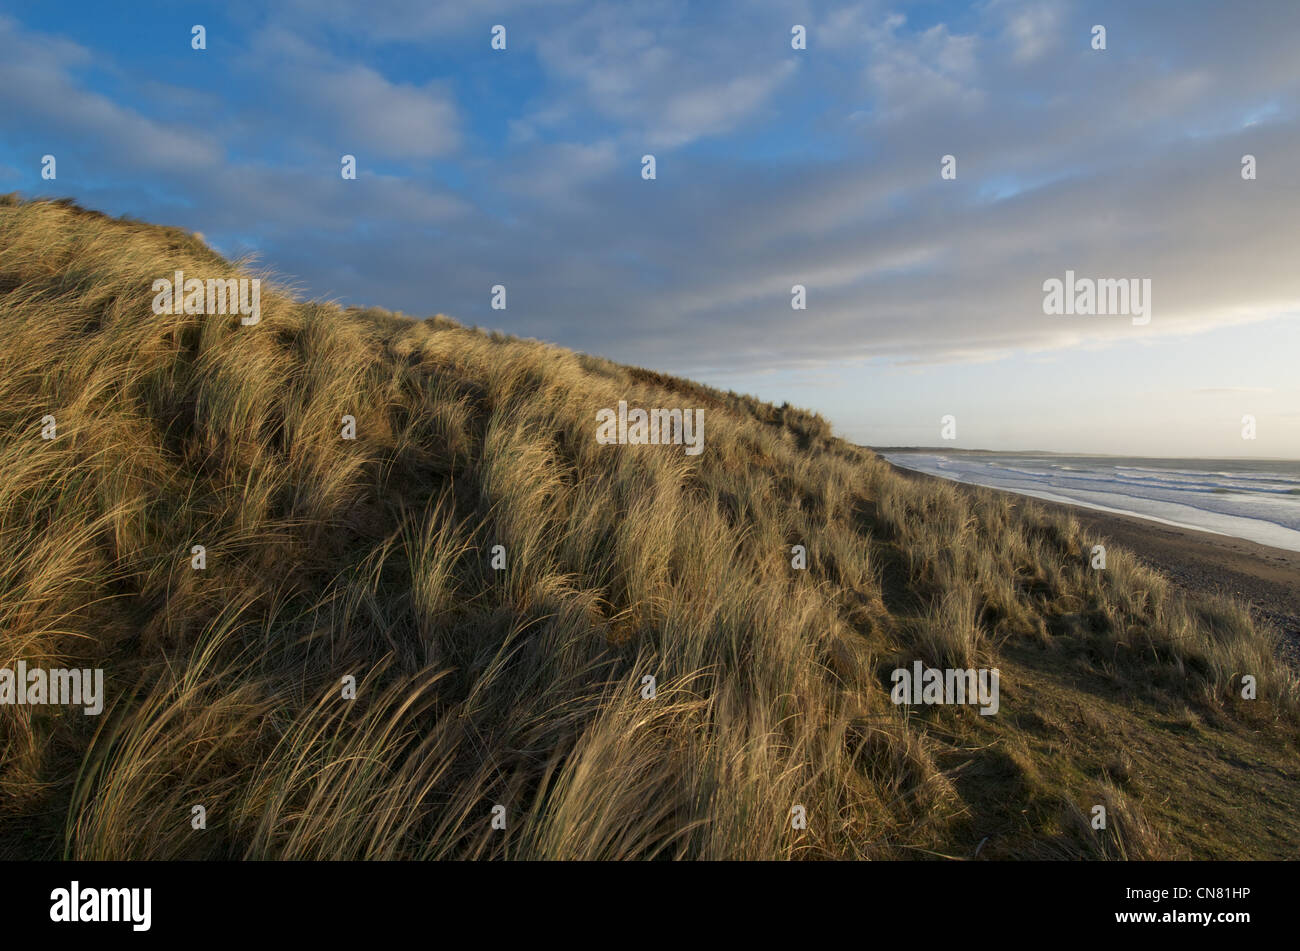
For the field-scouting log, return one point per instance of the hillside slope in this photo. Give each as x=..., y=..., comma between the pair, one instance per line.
x=326, y=558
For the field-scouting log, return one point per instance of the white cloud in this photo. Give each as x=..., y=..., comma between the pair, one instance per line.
x=1032, y=28
x=664, y=81
x=365, y=111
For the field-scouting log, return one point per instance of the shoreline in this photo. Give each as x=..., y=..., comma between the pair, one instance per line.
x=1199, y=562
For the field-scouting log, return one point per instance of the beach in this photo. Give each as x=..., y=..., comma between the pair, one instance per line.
x=1198, y=562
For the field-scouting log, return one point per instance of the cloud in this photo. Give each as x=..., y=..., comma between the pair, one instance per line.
x=359, y=107
x=717, y=108
x=908, y=75
x=415, y=21
x=665, y=80
x=185, y=170
x=39, y=90
x=1032, y=28
x=1123, y=163
x=558, y=172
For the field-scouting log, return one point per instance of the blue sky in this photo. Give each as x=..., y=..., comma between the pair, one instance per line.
x=775, y=167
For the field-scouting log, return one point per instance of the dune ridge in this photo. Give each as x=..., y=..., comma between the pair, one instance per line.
x=523, y=686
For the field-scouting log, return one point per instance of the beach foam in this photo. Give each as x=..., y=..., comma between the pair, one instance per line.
x=1257, y=500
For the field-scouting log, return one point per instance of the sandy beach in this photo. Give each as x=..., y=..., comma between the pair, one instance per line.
x=1269, y=578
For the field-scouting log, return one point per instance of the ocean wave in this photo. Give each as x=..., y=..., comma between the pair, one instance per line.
x=1255, y=503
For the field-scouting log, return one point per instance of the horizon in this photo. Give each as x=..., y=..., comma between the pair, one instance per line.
x=590, y=432
x=823, y=167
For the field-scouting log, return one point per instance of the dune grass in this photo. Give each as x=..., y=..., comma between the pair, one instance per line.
x=372, y=559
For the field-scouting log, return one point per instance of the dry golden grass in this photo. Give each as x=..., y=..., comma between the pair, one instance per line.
x=329, y=558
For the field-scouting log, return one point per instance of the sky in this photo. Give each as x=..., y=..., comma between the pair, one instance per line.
x=774, y=166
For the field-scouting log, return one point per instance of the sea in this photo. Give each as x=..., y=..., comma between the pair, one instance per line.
x=1254, y=499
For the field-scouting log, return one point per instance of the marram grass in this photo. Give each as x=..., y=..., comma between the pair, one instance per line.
x=523, y=687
